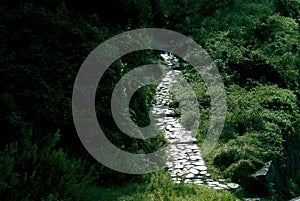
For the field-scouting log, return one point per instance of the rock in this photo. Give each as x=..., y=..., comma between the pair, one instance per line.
x=194, y=147
x=188, y=150
x=199, y=163
x=188, y=166
x=203, y=172
x=188, y=181
x=223, y=186
x=201, y=168
x=263, y=171
x=211, y=185
x=233, y=185
x=215, y=183
x=159, y=123
x=182, y=161
x=194, y=157
x=189, y=175
x=178, y=166
x=198, y=181
x=194, y=171
x=295, y=199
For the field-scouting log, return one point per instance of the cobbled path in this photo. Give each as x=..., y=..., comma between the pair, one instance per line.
x=185, y=162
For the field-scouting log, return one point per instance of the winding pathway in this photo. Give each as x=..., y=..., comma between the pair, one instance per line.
x=185, y=162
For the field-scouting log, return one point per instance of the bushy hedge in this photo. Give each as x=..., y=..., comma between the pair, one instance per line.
x=35, y=169
x=263, y=122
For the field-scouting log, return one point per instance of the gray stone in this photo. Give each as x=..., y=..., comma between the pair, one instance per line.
x=211, y=185
x=199, y=163
x=194, y=171
x=188, y=166
x=201, y=168
x=189, y=175
x=233, y=185
x=178, y=166
x=263, y=171
x=193, y=157
x=223, y=186
x=188, y=181
x=182, y=161
x=203, y=172
x=198, y=181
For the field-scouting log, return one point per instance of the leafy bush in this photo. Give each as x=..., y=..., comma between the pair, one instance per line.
x=251, y=42
x=34, y=169
x=263, y=119
x=289, y=8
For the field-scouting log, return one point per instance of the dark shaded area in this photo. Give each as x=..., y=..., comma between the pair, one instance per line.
x=255, y=46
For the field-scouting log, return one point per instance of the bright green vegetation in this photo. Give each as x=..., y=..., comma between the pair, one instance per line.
x=161, y=187
x=254, y=44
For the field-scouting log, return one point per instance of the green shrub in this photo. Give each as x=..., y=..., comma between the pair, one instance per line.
x=7, y=103
x=262, y=120
x=290, y=8
x=226, y=157
x=162, y=188
x=34, y=169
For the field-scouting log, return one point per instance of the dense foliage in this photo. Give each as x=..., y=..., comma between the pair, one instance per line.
x=254, y=44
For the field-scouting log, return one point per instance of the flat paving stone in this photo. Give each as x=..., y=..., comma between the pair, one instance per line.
x=194, y=171
x=214, y=183
x=188, y=181
x=223, y=186
x=233, y=185
x=198, y=181
x=178, y=166
x=189, y=175
x=199, y=163
x=203, y=172
x=201, y=168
